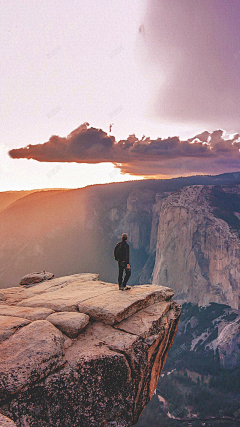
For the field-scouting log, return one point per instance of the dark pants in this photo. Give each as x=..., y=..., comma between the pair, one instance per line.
x=122, y=266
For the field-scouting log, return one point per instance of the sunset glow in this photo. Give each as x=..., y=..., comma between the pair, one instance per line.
x=113, y=65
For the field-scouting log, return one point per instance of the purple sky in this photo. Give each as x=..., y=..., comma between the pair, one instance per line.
x=195, y=46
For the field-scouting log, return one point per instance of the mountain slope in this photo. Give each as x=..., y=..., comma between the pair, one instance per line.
x=8, y=197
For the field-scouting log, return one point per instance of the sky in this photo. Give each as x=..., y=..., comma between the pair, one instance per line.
x=163, y=73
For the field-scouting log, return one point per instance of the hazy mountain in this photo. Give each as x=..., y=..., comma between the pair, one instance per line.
x=9, y=197
x=71, y=231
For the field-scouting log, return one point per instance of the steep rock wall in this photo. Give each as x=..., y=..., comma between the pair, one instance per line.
x=197, y=251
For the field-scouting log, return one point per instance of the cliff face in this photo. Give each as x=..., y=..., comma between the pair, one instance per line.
x=76, y=351
x=198, y=247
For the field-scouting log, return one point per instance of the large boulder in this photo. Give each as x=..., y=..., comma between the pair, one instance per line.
x=29, y=355
x=6, y=422
x=70, y=324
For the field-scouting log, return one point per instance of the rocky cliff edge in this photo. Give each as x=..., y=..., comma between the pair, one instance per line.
x=76, y=351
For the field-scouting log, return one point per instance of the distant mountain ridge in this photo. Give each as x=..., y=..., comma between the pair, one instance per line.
x=9, y=197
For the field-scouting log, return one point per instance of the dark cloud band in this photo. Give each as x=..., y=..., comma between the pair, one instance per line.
x=204, y=153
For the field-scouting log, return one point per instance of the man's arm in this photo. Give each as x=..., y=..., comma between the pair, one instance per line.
x=127, y=256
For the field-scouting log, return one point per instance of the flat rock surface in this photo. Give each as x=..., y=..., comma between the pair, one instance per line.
x=38, y=313
x=9, y=325
x=70, y=324
x=16, y=294
x=6, y=422
x=114, y=306
x=101, y=301
x=29, y=355
x=67, y=298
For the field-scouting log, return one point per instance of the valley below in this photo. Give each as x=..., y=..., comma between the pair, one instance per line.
x=195, y=389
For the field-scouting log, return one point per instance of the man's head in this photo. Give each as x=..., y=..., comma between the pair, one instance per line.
x=124, y=236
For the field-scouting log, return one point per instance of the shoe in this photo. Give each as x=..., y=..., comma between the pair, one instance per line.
x=126, y=288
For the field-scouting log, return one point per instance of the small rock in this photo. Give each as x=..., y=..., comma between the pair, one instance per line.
x=32, y=278
x=70, y=324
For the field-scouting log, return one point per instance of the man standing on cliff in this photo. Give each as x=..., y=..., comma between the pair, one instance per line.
x=121, y=253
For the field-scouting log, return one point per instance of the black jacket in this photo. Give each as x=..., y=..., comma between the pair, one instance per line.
x=124, y=252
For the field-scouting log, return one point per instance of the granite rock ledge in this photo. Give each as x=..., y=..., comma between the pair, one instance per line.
x=106, y=374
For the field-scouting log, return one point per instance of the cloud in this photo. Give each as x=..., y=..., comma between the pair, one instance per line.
x=81, y=145
x=192, y=55
x=210, y=153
